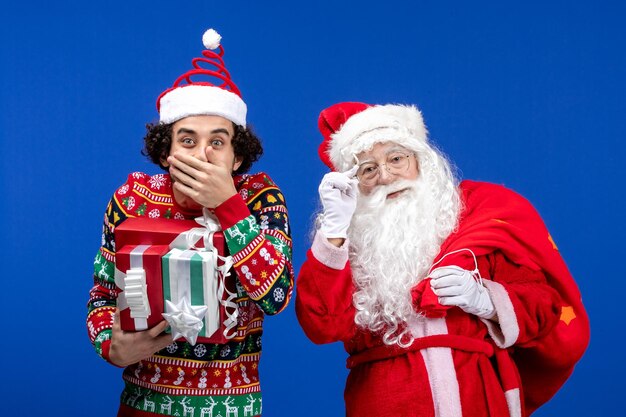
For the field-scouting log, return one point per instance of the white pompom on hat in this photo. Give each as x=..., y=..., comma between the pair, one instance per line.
x=189, y=97
x=350, y=128
x=211, y=39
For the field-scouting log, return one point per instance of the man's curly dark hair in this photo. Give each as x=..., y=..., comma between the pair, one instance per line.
x=158, y=140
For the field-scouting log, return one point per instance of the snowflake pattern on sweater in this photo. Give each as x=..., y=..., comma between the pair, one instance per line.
x=183, y=377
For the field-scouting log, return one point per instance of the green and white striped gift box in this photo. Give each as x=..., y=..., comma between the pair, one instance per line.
x=193, y=275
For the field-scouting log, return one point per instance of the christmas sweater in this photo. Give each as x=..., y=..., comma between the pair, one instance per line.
x=459, y=364
x=208, y=379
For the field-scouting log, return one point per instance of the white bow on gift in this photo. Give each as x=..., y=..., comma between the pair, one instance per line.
x=184, y=319
x=181, y=320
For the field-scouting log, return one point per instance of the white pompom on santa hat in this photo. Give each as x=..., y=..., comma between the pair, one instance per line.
x=350, y=128
x=216, y=94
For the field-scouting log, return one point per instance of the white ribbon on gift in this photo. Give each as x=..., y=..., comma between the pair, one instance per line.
x=189, y=238
x=134, y=287
x=230, y=306
x=212, y=225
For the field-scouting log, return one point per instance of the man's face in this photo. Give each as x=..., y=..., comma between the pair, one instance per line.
x=382, y=156
x=192, y=135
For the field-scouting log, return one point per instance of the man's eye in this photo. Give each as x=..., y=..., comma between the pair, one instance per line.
x=187, y=141
x=216, y=143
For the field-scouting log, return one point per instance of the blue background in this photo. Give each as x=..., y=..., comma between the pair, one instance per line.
x=527, y=94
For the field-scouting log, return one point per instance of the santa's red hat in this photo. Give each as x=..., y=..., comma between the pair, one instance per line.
x=211, y=92
x=350, y=128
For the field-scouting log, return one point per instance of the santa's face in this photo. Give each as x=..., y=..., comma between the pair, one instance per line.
x=381, y=157
x=396, y=231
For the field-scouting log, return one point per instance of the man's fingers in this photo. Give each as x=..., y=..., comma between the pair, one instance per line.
x=160, y=339
x=189, y=160
x=158, y=329
x=198, y=168
x=182, y=177
x=209, y=153
x=185, y=190
x=187, y=164
x=163, y=341
x=116, y=320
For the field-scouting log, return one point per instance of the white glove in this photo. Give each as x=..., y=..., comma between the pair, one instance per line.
x=338, y=192
x=456, y=286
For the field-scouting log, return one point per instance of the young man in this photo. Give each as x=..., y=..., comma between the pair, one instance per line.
x=443, y=294
x=202, y=142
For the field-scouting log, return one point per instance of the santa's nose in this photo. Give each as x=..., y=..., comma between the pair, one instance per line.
x=384, y=177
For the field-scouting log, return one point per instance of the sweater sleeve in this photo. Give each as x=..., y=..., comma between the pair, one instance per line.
x=324, y=294
x=103, y=295
x=256, y=229
x=526, y=306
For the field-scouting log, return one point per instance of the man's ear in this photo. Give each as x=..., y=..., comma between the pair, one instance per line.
x=238, y=162
x=164, y=162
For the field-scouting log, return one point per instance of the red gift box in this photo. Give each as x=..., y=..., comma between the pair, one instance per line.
x=181, y=234
x=161, y=235
x=138, y=273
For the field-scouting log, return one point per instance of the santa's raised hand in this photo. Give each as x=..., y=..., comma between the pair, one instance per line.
x=338, y=193
x=206, y=180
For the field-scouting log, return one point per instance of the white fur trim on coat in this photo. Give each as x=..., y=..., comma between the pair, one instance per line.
x=329, y=255
x=196, y=100
x=401, y=124
x=506, y=331
x=439, y=362
x=514, y=401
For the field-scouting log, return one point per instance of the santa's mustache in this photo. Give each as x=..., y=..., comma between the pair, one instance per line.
x=378, y=197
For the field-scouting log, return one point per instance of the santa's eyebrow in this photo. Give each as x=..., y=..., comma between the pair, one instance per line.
x=397, y=148
x=393, y=149
x=366, y=161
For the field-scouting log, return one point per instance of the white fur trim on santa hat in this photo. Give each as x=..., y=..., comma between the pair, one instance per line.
x=195, y=100
x=400, y=124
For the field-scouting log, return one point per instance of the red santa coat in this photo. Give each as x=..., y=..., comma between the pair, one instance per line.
x=448, y=371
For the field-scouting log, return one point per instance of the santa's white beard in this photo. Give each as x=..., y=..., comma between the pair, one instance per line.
x=393, y=243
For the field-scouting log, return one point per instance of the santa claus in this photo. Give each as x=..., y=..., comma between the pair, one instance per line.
x=450, y=298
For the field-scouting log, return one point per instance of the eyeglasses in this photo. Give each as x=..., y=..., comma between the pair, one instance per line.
x=396, y=164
